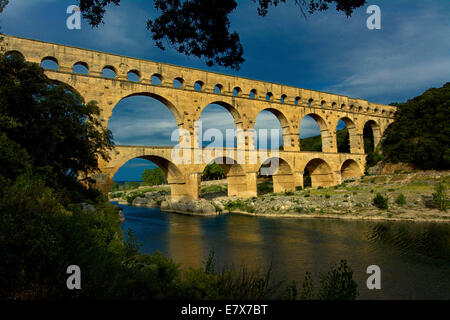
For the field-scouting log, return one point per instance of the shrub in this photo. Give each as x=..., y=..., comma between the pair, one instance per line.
x=298, y=188
x=288, y=193
x=320, y=187
x=299, y=209
x=380, y=202
x=440, y=196
x=401, y=199
x=327, y=196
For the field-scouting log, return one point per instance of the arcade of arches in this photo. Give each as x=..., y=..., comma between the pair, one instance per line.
x=186, y=92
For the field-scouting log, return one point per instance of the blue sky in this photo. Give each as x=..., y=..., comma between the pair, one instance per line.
x=325, y=51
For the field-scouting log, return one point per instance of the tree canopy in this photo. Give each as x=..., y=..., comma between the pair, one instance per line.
x=49, y=125
x=154, y=176
x=202, y=27
x=420, y=133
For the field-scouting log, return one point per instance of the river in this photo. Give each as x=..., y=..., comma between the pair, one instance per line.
x=414, y=258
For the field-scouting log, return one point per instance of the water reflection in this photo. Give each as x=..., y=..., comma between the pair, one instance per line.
x=413, y=257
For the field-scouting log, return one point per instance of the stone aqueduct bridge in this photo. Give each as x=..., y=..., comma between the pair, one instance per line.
x=243, y=98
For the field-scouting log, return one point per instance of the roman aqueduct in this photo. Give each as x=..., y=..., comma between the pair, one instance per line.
x=186, y=92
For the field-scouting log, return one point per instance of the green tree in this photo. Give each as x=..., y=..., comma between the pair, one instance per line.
x=420, y=133
x=154, y=176
x=59, y=131
x=213, y=171
x=201, y=27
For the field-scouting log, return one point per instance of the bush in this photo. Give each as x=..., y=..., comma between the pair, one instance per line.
x=327, y=196
x=298, y=188
x=401, y=199
x=380, y=202
x=440, y=196
x=288, y=193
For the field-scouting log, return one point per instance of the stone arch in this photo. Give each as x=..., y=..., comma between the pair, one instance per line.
x=231, y=109
x=237, y=91
x=376, y=133
x=134, y=75
x=82, y=64
x=52, y=59
x=283, y=98
x=156, y=79
x=218, y=88
x=269, y=96
x=252, y=94
x=354, y=142
x=350, y=169
x=297, y=100
x=198, y=85
x=320, y=172
x=110, y=68
x=15, y=53
x=234, y=173
x=281, y=172
x=176, y=113
x=324, y=131
x=178, y=83
x=284, y=123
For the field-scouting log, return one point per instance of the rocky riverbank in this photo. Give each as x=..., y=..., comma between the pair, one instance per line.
x=409, y=196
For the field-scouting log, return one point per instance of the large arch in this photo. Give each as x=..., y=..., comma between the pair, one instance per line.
x=320, y=172
x=284, y=126
x=177, y=114
x=352, y=135
x=231, y=109
x=324, y=132
x=350, y=169
x=371, y=131
x=281, y=173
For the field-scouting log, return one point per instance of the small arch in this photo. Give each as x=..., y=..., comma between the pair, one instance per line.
x=109, y=72
x=333, y=105
x=296, y=101
x=324, y=134
x=14, y=53
x=50, y=63
x=178, y=83
x=323, y=104
x=352, y=107
x=237, y=91
x=134, y=75
x=320, y=174
x=269, y=96
x=156, y=79
x=343, y=106
x=198, y=85
x=310, y=101
x=80, y=68
x=350, y=169
x=218, y=88
x=360, y=109
x=283, y=98
x=252, y=94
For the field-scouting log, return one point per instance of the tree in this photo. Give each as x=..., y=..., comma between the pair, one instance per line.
x=201, y=27
x=153, y=176
x=50, y=122
x=213, y=172
x=420, y=133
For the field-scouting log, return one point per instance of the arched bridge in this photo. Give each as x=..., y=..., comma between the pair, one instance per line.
x=187, y=91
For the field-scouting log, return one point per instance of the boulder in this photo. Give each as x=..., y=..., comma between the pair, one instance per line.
x=194, y=207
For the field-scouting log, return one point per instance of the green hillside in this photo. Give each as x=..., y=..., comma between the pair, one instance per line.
x=315, y=143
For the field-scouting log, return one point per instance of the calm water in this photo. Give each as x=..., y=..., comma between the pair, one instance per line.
x=414, y=257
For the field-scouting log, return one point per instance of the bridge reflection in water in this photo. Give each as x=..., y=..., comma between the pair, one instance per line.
x=414, y=257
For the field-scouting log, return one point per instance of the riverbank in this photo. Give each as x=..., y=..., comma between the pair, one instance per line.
x=409, y=198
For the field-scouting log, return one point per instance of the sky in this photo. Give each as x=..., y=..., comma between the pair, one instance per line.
x=326, y=51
